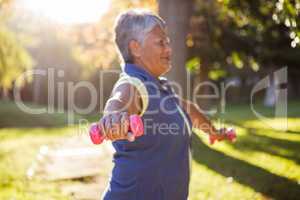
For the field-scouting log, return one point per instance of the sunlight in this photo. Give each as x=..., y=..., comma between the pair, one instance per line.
x=68, y=12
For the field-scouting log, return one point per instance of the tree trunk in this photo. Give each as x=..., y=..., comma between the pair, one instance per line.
x=36, y=89
x=177, y=14
x=5, y=94
x=204, y=103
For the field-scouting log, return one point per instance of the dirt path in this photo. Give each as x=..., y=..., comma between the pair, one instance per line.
x=87, y=166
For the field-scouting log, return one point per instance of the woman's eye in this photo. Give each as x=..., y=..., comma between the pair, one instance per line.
x=163, y=43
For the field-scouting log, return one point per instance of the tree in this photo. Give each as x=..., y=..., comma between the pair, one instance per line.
x=14, y=59
x=243, y=38
x=270, y=34
x=177, y=15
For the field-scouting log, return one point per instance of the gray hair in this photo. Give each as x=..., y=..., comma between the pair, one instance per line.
x=134, y=25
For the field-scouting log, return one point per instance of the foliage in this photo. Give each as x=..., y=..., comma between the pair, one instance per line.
x=288, y=12
x=14, y=59
x=260, y=23
x=248, y=35
x=193, y=65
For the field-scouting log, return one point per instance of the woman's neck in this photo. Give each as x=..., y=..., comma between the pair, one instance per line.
x=144, y=67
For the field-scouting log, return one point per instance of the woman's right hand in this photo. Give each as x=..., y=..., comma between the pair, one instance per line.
x=115, y=126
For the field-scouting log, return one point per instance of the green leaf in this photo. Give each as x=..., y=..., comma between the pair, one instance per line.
x=236, y=59
x=193, y=65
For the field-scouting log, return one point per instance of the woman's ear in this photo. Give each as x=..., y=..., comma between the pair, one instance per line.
x=135, y=48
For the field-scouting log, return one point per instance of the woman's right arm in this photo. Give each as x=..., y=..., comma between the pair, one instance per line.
x=125, y=100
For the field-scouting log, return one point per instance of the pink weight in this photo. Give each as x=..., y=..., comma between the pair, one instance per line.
x=136, y=125
x=231, y=135
x=95, y=134
x=136, y=128
x=228, y=135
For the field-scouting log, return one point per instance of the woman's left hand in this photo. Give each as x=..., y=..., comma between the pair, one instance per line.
x=222, y=134
x=218, y=135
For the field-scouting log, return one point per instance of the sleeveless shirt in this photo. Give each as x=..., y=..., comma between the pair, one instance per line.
x=156, y=165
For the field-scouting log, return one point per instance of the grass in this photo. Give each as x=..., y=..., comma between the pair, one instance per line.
x=18, y=150
x=264, y=163
x=20, y=141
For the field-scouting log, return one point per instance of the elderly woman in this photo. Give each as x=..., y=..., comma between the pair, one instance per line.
x=156, y=165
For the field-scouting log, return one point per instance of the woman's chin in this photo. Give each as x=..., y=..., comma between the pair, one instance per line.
x=167, y=68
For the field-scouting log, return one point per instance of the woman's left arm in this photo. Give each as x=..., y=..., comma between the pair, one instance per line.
x=199, y=120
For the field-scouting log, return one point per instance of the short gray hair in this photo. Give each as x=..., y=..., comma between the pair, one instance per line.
x=134, y=25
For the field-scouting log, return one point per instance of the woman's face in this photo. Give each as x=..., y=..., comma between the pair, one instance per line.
x=155, y=52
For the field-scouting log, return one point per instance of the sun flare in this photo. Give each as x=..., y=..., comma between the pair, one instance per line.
x=68, y=12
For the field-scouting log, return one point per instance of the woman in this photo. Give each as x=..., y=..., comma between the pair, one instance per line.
x=154, y=166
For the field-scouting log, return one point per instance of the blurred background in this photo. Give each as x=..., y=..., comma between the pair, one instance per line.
x=232, y=42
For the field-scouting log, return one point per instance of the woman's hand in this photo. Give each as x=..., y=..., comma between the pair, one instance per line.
x=125, y=100
x=115, y=126
x=217, y=135
x=222, y=134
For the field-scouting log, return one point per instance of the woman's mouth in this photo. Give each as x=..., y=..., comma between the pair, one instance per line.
x=166, y=59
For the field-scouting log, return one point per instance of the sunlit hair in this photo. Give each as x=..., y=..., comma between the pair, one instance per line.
x=134, y=25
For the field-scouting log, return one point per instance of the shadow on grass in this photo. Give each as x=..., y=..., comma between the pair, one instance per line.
x=259, y=179
x=255, y=142
x=278, y=147
x=264, y=129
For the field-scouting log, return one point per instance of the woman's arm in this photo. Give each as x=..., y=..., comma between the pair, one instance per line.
x=198, y=119
x=125, y=100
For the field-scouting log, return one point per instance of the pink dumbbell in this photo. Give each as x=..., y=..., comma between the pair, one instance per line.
x=136, y=129
x=229, y=135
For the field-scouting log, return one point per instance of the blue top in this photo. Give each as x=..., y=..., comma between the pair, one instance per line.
x=156, y=165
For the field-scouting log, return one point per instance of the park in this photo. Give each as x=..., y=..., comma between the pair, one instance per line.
x=237, y=61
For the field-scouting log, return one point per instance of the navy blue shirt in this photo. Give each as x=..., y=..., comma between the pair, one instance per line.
x=156, y=165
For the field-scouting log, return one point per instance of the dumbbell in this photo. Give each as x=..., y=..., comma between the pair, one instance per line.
x=136, y=129
x=229, y=135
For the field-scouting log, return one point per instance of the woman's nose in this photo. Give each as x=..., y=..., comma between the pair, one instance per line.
x=168, y=49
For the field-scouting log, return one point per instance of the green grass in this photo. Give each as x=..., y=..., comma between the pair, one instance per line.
x=12, y=116
x=264, y=163
x=20, y=141
x=18, y=150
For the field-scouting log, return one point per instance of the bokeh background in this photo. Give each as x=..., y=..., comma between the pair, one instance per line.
x=231, y=42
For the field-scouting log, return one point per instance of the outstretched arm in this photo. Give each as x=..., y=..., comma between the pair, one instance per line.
x=124, y=101
x=199, y=120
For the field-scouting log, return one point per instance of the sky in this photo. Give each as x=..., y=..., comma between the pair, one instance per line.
x=68, y=12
